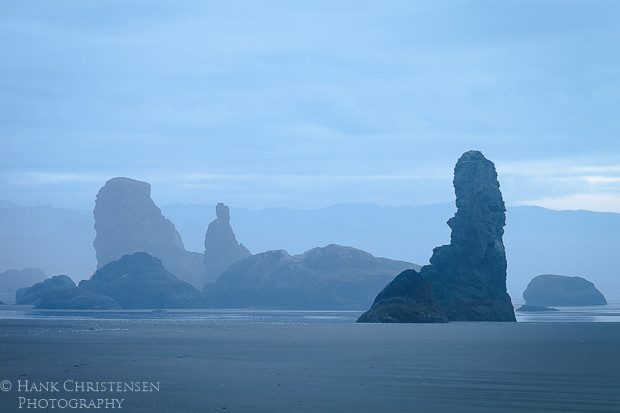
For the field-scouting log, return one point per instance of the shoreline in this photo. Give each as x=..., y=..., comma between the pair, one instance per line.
x=321, y=367
x=603, y=313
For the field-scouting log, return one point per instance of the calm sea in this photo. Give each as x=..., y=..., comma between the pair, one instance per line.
x=606, y=313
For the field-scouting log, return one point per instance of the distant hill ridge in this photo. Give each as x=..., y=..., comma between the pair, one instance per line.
x=537, y=240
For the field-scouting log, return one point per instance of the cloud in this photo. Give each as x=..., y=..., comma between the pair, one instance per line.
x=590, y=202
x=300, y=190
x=579, y=182
x=51, y=178
x=602, y=179
x=257, y=95
x=577, y=165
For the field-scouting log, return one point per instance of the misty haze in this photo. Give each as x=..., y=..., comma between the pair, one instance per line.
x=309, y=207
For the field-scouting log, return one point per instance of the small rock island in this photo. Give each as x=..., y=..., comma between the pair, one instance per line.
x=333, y=277
x=560, y=290
x=32, y=295
x=140, y=281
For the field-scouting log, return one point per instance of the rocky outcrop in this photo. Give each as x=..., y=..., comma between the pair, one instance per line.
x=128, y=221
x=407, y=299
x=140, y=281
x=13, y=280
x=331, y=278
x=76, y=299
x=221, y=246
x=468, y=276
x=535, y=309
x=32, y=295
x=560, y=290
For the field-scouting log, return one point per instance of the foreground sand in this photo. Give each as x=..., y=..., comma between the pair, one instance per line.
x=262, y=367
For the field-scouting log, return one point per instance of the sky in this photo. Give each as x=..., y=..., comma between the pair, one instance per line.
x=306, y=104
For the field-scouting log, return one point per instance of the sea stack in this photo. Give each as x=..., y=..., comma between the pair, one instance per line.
x=561, y=290
x=32, y=295
x=468, y=277
x=407, y=299
x=128, y=221
x=140, y=281
x=333, y=277
x=221, y=246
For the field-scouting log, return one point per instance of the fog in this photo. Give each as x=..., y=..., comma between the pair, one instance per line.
x=537, y=240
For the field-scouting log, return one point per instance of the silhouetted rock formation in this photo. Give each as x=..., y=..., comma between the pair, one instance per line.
x=13, y=280
x=76, y=299
x=535, y=309
x=467, y=277
x=32, y=295
x=560, y=290
x=407, y=299
x=128, y=221
x=221, y=247
x=333, y=277
x=140, y=281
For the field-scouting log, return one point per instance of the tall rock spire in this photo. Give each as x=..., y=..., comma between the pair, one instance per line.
x=221, y=246
x=468, y=276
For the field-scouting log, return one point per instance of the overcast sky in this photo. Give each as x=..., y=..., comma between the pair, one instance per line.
x=309, y=103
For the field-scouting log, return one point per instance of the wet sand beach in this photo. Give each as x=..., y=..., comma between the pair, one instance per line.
x=190, y=366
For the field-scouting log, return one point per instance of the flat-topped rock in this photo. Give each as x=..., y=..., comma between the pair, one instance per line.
x=128, y=221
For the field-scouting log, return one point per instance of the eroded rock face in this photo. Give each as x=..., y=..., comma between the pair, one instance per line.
x=128, y=221
x=468, y=276
x=140, y=281
x=221, y=246
x=32, y=295
x=560, y=290
x=407, y=299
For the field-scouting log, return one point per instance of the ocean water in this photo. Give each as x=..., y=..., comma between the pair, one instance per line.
x=209, y=316
x=606, y=313
x=586, y=314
